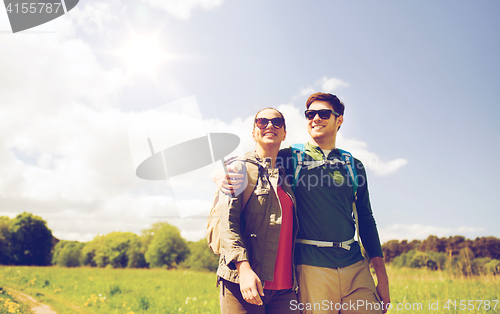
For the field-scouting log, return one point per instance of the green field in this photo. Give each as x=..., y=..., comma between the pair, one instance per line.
x=127, y=291
x=107, y=291
x=426, y=287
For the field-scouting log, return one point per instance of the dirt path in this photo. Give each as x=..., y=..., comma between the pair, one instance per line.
x=35, y=306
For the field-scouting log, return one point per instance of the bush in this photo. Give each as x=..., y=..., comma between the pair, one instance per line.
x=67, y=254
x=167, y=247
x=114, y=250
x=201, y=257
x=492, y=267
x=417, y=259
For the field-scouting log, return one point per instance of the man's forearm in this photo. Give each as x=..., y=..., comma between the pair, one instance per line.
x=380, y=271
x=382, y=281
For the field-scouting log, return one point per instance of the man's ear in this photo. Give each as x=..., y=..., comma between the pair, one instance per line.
x=253, y=135
x=284, y=137
x=339, y=121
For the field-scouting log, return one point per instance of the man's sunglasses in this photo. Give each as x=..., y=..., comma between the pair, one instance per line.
x=262, y=123
x=324, y=114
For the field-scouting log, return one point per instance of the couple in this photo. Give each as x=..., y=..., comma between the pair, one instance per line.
x=269, y=264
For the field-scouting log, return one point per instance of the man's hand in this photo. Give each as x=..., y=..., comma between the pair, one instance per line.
x=382, y=281
x=383, y=293
x=228, y=183
x=250, y=284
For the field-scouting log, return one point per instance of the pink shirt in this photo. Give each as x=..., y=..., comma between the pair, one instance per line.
x=283, y=266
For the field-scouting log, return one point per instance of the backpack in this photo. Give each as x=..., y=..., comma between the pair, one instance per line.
x=298, y=162
x=213, y=219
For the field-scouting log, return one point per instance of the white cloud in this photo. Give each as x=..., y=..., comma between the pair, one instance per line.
x=307, y=91
x=182, y=8
x=325, y=85
x=421, y=232
x=371, y=160
x=43, y=72
x=94, y=17
x=329, y=85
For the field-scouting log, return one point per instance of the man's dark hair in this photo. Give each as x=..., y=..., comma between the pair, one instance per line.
x=333, y=100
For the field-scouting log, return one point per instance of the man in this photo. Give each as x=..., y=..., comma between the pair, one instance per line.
x=333, y=275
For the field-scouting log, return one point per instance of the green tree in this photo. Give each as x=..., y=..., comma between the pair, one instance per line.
x=418, y=259
x=492, y=267
x=67, y=253
x=391, y=249
x=434, y=244
x=117, y=249
x=88, y=251
x=486, y=247
x=201, y=256
x=466, y=257
x=167, y=247
x=413, y=245
x=394, y=248
x=404, y=259
x=454, y=244
x=31, y=240
x=135, y=253
x=5, y=253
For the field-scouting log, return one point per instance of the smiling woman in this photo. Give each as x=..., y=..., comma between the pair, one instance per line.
x=143, y=55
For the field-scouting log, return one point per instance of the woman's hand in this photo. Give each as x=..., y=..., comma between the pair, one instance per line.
x=250, y=284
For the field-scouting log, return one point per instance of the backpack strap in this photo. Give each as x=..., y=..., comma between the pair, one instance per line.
x=351, y=169
x=252, y=177
x=298, y=161
x=353, y=174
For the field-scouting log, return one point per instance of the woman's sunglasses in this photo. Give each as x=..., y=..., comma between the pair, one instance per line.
x=262, y=123
x=324, y=114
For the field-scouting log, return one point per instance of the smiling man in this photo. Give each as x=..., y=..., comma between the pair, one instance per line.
x=333, y=275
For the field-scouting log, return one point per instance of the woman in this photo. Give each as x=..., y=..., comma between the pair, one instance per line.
x=256, y=269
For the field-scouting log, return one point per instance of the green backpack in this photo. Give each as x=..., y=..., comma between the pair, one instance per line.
x=213, y=219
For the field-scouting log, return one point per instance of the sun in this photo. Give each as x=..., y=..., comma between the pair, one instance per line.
x=143, y=55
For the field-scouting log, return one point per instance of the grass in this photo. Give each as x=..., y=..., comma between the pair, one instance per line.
x=127, y=291
x=437, y=290
x=123, y=291
x=8, y=305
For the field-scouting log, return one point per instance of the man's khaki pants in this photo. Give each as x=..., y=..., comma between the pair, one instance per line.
x=346, y=290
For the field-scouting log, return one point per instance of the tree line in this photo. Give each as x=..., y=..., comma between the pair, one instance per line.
x=457, y=254
x=27, y=240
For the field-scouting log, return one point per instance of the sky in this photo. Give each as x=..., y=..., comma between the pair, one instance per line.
x=419, y=80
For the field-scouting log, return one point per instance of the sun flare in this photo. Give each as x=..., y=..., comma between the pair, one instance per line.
x=143, y=55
